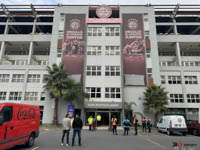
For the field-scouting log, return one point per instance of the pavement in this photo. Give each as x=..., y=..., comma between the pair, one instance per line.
x=50, y=138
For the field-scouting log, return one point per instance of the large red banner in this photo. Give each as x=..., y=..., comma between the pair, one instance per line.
x=74, y=43
x=133, y=46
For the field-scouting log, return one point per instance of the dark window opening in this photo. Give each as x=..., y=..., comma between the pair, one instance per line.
x=20, y=29
x=164, y=19
x=164, y=29
x=188, y=30
x=44, y=29
x=45, y=19
x=22, y=19
x=3, y=19
x=2, y=29
x=187, y=19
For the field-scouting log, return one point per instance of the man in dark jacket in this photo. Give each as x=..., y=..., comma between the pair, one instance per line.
x=77, y=126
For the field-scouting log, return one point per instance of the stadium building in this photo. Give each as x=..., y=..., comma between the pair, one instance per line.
x=116, y=51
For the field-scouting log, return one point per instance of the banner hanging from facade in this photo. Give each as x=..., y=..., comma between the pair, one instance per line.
x=74, y=43
x=134, y=49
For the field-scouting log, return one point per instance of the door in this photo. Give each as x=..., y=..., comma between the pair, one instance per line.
x=160, y=124
x=7, y=129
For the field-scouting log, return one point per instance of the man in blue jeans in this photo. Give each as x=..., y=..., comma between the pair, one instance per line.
x=77, y=126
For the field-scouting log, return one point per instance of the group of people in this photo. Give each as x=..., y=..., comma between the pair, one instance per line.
x=93, y=122
x=146, y=124
x=76, y=125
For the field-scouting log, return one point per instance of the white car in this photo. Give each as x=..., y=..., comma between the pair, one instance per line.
x=172, y=123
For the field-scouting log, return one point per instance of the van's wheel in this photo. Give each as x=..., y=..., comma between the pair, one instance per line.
x=30, y=141
x=169, y=132
x=184, y=133
x=194, y=132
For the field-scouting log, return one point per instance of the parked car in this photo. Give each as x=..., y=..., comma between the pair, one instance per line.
x=193, y=127
x=172, y=123
x=19, y=124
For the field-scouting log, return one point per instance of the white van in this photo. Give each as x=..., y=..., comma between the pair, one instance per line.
x=172, y=123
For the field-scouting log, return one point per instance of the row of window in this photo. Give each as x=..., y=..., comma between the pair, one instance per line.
x=97, y=50
x=17, y=96
x=32, y=78
x=183, y=63
x=109, y=70
x=191, y=98
x=177, y=79
x=98, y=31
x=110, y=92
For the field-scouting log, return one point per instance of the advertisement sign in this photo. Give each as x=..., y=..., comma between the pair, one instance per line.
x=74, y=43
x=103, y=20
x=70, y=111
x=133, y=46
x=103, y=11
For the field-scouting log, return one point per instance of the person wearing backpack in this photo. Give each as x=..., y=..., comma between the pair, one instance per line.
x=126, y=125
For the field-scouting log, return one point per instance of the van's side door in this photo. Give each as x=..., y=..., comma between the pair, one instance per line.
x=7, y=133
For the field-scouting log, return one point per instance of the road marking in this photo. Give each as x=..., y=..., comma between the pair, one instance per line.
x=35, y=148
x=153, y=142
x=44, y=132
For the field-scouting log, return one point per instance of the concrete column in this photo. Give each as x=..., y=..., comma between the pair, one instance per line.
x=6, y=27
x=3, y=47
x=30, y=53
x=178, y=54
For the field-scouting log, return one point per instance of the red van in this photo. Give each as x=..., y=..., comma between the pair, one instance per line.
x=19, y=124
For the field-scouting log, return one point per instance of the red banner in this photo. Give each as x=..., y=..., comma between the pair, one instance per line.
x=133, y=46
x=74, y=43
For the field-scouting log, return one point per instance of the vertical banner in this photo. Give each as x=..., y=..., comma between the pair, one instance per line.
x=74, y=43
x=199, y=113
x=70, y=111
x=134, y=49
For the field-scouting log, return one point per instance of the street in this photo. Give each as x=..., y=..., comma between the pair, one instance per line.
x=50, y=139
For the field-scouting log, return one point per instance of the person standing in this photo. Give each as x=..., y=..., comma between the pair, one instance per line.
x=143, y=124
x=77, y=126
x=135, y=123
x=66, y=129
x=98, y=120
x=90, y=122
x=114, y=125
x=149, y=125
x=126, y=125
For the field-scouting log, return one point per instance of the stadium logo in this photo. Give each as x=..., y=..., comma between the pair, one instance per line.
x=132, y=24
x=104, y=11
x=75, y=24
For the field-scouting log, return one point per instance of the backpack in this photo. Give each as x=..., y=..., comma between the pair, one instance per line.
x=126, y=123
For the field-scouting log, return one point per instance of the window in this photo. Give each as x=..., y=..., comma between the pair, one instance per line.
x=94, y=92
x=193, y=98
x=112, y=31
x=20, y=62
x=2, y=95
x=34, y=78
x=93, y=71
x=7, y=113
x=112, y=70
x=112, y=92
x=176, y=98
x=149, y=72
x=148, y=53
x=18, y=78
x=42, y=97
x=190, y=79
x=45, y=78
x=94, y=31
x=174, y=79
x=31, y=96
x=94, y=50
x=59, y=52
x=162, y=77
x=15, y=96
x=112, y=50
x=4, y=77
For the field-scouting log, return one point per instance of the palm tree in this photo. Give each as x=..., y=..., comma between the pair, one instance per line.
x=128, y=108
x=156, y=99
x=60, y=86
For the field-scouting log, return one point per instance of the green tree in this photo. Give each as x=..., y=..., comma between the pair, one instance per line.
x=60, y=86
x=155, y=99
x=128, y=109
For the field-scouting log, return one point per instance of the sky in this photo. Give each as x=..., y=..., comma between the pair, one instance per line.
x=98, y=2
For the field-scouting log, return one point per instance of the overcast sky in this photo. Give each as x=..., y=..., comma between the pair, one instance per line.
x=100, y=1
